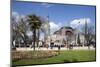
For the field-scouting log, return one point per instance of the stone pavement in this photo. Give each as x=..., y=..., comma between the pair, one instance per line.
x=55, y=48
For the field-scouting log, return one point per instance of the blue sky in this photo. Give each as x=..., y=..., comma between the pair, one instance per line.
x=59, y=14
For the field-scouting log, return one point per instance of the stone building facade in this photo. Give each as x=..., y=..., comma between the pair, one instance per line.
x=66, y=36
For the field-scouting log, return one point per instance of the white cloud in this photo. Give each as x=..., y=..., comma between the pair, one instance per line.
x=29, y=33
x=41, y=36
x=46, y=4
x=54, y=27
x=78, y=22
x=16, y=16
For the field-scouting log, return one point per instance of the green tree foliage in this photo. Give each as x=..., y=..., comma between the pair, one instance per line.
x=35, y=24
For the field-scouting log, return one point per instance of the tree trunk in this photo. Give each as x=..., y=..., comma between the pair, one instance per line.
x=24, y=39
x=34, y=37
x=38, y=36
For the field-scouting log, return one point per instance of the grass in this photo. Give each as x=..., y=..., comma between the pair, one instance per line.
x=65, y=56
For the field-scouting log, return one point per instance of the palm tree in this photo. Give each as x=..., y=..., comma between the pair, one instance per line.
x=35, y=24
x=38, y=36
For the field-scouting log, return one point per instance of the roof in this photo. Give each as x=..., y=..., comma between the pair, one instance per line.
x=67, y=27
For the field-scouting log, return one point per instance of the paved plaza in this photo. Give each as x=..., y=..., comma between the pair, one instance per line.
x=55, y=48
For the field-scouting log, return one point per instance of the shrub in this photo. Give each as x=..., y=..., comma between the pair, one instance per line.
x=18, y=55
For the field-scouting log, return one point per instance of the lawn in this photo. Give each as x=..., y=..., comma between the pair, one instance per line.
x=65, y=56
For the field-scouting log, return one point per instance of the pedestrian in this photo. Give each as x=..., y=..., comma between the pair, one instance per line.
x=52, y=44
x=59, y=47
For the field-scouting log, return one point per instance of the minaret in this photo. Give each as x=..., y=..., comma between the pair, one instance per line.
x=48, y=25
x=47, y=30
x=78, y=36
x=85, y=32
x=49, y=34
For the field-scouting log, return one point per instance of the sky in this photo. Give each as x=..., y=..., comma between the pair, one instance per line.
x=59, y=14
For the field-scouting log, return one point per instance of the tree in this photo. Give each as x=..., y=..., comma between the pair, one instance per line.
x=89, y=34
x=45, y=28
x=35, y=23
x=38, y=36
x=22, y=30
x=19, y=29
x=15, y=31
x=78, y=40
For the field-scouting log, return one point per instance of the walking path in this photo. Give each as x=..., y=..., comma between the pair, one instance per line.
x=55, y=48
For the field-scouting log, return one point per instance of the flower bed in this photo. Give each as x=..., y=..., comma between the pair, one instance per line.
x=18, y=55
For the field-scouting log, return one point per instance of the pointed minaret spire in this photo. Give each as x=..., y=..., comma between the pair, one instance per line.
x=85, y=31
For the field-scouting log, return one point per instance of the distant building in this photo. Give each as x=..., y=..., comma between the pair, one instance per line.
x=66, y=36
